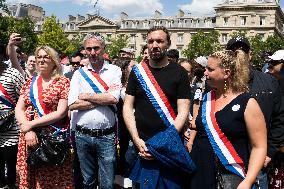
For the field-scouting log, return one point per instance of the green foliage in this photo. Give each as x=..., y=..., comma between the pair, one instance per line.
x=202, y=44
x=74, y=44
x=54, y=36
x=24, y=27
x=242, y=33
x=3, y=6
x=139, y=58
x=274, y=43
x=116, y=43
x=257, y=45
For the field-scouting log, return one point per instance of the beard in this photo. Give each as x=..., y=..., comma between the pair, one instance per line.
x=157, y=55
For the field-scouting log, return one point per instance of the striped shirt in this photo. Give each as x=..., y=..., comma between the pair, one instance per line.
x=12, y=80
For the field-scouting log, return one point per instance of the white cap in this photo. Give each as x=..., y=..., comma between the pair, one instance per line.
x=202, y=60
x=128, y=50
x=278, y=55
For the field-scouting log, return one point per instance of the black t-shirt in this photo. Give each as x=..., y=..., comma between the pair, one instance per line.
x=173, y=80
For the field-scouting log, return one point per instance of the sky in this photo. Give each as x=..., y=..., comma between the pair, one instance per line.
x=134, y=8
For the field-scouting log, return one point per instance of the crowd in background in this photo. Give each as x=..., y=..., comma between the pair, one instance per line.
x=99, y=115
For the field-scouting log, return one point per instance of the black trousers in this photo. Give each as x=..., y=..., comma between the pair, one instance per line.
x=8, y=157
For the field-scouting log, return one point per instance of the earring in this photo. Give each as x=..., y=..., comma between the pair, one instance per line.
x=225, y=88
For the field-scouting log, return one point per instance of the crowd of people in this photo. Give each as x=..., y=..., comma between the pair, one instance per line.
x=165, y=122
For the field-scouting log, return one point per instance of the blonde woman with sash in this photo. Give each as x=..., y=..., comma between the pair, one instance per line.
x=47, y=94
x=230, y=145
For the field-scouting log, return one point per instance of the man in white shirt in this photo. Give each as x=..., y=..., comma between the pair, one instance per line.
x=93, y=92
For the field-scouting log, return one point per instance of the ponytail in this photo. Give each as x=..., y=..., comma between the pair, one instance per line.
x=238, y=63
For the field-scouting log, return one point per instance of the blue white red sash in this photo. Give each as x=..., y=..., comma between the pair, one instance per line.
x=94, y=80
x=99, y=86
x=37, y=101
x=155, y=94
x=6, y=98
x=36, y=96
x=219, y=142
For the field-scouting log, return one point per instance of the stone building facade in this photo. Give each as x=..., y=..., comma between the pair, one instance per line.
x=257, y=17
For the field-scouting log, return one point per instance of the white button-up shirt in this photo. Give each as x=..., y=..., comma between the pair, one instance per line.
x=100, y=117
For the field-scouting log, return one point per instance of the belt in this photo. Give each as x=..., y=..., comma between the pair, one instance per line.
x=94, y=132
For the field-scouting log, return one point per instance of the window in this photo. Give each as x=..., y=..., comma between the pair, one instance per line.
x=226, y=21
x=180, y=23
x=261, y=35
x=197, y=23
x=180, y=39
x=144, y=36
x=208, y=23
x=145, y=24
x=132, y=38
x=180, y=51
x=243, y=20
x=224, y=38
x=108, y=36
x=262, y=20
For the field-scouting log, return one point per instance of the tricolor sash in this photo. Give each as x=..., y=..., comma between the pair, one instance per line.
x=6, y=98
x=219, y=142
x=37, y=100
x=94, y=80
x=36, y=96
x=155, y=94
x=99, y=86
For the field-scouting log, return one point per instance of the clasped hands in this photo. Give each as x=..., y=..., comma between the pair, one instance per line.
x=143, y=150
x=30, y=136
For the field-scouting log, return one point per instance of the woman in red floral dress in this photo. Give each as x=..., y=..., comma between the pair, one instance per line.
x=55, y=88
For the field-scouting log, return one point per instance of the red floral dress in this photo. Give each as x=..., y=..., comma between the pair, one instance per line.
x=49, y=176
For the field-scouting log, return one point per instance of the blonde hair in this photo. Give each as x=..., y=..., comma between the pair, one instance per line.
x=238, y=63
x=54, y=57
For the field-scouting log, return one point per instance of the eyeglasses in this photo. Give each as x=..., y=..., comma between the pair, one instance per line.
x=43, y=57
x=95, y=48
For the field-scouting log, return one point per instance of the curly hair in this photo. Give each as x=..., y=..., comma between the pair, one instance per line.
x=238, y=63
x=54, y=57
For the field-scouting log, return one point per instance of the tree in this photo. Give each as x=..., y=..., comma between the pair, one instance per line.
x=74, y=44
x=242, y=33
x=116, y=44
x=257, y=46
x=274, y=43
x=202, y=44
x=54, y=36
x=25, y=27
x=4, y=6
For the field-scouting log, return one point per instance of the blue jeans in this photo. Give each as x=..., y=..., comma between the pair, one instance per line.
x=262, y=180
x=96, y=155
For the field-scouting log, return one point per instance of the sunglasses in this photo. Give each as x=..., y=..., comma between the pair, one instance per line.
x=275, y=62
x=75, y=63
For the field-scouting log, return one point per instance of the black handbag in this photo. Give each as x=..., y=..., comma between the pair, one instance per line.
x=53, y=149
x=7, y=119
